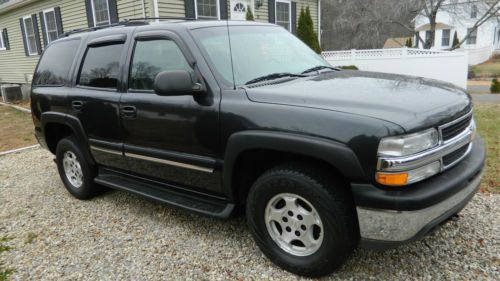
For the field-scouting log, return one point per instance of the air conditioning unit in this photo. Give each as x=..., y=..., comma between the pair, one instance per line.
x=11, y=92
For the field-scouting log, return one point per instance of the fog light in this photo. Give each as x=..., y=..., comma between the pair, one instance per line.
x=412, y=176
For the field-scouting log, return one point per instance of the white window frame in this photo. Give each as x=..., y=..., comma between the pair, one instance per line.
x=196, y=9
x=449, y=37
x=289, y=2
x=93, y=12
x=30, y=52
x=467, y=42
x=46, y=31
x=2, y=43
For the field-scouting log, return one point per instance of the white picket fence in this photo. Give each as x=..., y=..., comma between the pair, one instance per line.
x=441, y=65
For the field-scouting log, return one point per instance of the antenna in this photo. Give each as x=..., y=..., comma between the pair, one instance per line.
x=230, y=52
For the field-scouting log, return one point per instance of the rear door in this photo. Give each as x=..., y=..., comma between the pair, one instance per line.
x=95, y=99
x=170, y=138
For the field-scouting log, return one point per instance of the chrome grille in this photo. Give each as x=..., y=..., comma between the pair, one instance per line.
x=456, y=127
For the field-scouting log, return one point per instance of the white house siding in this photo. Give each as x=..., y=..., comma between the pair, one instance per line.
x=171, y=8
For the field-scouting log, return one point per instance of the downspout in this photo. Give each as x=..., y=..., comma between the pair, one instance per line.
x=319, y=22
x=155, y=8
x=143, y=9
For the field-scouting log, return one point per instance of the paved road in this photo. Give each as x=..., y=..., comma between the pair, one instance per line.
x=478, y=88
x=490, y=98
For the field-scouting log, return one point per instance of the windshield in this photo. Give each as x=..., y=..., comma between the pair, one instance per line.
x=257, y=51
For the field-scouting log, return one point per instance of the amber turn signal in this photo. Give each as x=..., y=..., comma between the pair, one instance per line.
x=392, y=179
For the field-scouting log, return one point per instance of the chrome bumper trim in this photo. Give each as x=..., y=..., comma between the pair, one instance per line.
x=399, y=226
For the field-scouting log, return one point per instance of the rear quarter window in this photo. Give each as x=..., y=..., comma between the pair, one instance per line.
x=55, y=65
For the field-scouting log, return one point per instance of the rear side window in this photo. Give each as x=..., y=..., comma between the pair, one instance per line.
x=101, y=66
x=55, y=64
x=152, y=57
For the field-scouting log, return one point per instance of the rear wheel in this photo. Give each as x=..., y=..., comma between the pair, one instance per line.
x=302, y=219
x=75, y=171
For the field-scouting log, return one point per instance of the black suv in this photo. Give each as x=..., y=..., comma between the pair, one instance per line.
x=215, y=117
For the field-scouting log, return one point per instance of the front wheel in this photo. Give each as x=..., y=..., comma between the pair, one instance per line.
x=302, y=219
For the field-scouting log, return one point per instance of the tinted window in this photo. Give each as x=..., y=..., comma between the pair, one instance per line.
x=152, y=57
x=55, y=64
x=101, y=66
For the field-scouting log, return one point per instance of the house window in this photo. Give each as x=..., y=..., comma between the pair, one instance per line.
x=29, y=35
x=283, y=14
x=472, y=37
x=473, y=12
x=2, y=43
x=100, y=12
x=49, y=17
x=445, y=39
x=207, y=9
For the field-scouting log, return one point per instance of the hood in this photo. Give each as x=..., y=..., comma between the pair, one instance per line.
x=410, y=102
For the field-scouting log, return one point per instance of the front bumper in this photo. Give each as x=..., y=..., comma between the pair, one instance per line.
x=395, y=216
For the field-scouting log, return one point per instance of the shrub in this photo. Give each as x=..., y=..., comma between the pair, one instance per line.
x=348, y=67
x=409, y=42
x=305, y=30
x=495, y=86
x=249, y=14
x=455, y=40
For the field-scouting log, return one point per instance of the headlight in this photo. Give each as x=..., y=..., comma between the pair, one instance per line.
x=408, y=144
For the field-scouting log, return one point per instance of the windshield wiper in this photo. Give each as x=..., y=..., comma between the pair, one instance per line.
x=273, y=76
x=318, y=68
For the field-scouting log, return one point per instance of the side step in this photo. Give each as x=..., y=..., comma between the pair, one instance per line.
x=195, y=202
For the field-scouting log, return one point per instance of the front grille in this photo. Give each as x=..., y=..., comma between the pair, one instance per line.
x=455, y=155
x=454, y=130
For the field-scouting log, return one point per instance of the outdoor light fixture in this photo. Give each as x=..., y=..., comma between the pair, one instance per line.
x=258, y=3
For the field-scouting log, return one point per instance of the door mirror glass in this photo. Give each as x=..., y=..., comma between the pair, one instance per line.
x=175, y=83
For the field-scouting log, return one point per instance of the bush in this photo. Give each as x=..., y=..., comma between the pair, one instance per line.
x=348, y=67
x=305, y=30
x=495, y=86
x=455, y=40
x=409, y=42
x=249, y=14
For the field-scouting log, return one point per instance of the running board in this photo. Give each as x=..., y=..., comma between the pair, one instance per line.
x=195, y=202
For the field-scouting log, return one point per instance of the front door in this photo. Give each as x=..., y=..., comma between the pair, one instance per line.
x=239, y=9
x=173, y=139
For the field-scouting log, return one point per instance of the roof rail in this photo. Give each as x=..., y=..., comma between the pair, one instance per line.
x=125, y=22
x=161, y=18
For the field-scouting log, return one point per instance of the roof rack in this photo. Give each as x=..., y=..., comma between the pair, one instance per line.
x=125, y=22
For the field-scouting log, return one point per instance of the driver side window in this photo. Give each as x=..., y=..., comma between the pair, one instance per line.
x=152, y=57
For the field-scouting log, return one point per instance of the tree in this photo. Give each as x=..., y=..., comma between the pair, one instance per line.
x=409, y=42
x=249, y=14
x=486, y=9
x=495, y=86
x=305, y=30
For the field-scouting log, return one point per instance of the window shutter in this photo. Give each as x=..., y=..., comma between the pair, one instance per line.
x=44, y=33
x=59, y=24
x=37, y=34
x=189, y=7
x=272, y=12
x=223, y=9
x=90, y=16
x=5, y=39
x=21, y=22
x=294, y=17
x=113, y=11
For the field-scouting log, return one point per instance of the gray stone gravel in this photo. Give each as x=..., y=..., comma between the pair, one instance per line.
x=119, y=236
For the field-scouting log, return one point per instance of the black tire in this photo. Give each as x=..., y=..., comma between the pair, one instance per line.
x=88, y=188
x=333, y=203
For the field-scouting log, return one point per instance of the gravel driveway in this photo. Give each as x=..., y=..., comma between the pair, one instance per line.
x=121, y=236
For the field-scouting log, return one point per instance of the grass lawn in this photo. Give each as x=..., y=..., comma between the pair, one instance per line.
x=488, y=69
x=487, y=117
x=16, y=129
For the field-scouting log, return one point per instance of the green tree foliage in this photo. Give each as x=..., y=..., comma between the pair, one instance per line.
x=409, y=42
x=305, y=30
x=249, y=14
x=455, y=39
x=495, y=86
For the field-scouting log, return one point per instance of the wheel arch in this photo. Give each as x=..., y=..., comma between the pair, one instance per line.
x=56, y=126
x=274, y=147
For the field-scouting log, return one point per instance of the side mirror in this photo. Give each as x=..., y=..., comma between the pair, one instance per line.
x=175, y=83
